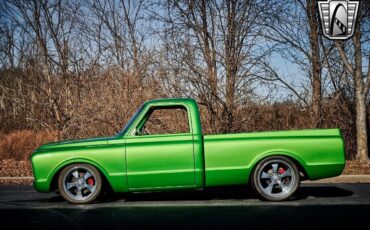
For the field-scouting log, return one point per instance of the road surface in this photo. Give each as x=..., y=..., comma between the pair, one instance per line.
x=316, y=205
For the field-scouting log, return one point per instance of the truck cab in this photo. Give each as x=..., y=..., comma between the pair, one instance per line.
x=160, y=155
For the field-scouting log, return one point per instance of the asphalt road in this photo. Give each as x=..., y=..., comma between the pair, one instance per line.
x=316, y=205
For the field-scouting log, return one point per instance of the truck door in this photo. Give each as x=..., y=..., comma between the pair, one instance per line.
x=160, y=152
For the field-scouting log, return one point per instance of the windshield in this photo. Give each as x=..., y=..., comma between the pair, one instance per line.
x=129, y=123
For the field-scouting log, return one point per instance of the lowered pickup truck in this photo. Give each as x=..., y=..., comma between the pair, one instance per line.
x=147, y=155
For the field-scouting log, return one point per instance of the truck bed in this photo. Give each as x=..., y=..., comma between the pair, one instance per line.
x=230, y=158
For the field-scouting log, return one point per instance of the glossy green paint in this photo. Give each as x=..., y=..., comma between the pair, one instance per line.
x=230, y=158
x=109, y=158
x=158, y=161
x=131, y=162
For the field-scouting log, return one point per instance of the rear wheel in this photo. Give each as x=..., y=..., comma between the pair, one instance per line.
x=276, y=178
x=80, y=183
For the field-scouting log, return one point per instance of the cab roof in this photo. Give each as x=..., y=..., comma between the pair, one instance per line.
x=170, y=101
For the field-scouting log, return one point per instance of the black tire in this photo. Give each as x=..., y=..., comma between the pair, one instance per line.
x=77, y=189
x=275, y=179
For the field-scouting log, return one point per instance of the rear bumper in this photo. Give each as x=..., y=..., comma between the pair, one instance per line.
x=321, y=171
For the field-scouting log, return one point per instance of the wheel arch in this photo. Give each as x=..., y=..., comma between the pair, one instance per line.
x=53, y=185
x=293, y=157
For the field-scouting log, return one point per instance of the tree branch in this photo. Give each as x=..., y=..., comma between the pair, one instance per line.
x=345, y=59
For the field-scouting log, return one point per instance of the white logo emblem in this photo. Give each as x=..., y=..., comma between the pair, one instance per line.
x=338, y=18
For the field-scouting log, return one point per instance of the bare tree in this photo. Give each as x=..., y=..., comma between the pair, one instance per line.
x=82, y=67
x=49, y=26
x=361, y=80
x=295, y=27
x=213, y=47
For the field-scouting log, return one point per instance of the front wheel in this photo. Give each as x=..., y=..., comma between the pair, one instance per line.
x=276, y=178
x=80, y=183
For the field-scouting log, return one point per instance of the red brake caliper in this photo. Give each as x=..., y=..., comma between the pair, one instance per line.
x=90, y=181
x=281, y=171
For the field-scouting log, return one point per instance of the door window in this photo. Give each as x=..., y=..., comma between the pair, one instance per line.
x=165, y=120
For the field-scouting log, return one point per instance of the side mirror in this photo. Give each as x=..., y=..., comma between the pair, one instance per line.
x=137, y=132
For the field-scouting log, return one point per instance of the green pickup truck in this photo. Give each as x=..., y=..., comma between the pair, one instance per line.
x=155, y=152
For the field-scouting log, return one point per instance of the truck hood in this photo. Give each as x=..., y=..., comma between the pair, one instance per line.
x=76, y=143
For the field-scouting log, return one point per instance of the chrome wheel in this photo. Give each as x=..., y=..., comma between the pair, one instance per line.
x=276, y=178
x=80, y=183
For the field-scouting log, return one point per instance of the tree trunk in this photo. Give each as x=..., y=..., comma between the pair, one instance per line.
x=315, y=63
x=209, y=56
x=361, y=127
x=230, y=63
x=211, y=63
x=361, y=92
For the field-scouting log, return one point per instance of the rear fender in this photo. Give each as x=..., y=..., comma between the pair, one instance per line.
x=262, y=156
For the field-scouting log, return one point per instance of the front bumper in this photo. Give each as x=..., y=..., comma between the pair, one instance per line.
x=41, y=185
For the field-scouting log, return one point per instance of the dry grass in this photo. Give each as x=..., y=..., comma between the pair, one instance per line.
x=19, y=145
x=14, y=168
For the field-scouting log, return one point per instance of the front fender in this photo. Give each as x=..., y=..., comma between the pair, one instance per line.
x=117, y=182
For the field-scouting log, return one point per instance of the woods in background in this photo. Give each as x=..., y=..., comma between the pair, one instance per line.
x=81, y=68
